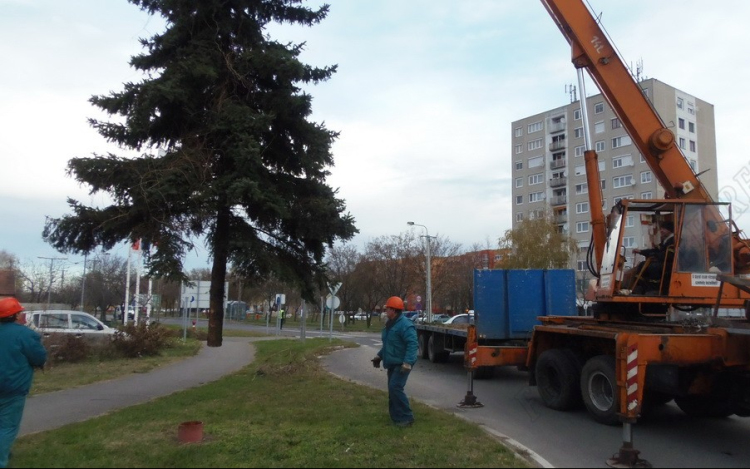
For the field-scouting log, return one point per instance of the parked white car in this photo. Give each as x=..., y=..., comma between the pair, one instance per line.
x=58, y=321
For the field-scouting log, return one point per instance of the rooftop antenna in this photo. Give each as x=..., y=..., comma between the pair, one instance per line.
x=571, y=89
x=639, y=75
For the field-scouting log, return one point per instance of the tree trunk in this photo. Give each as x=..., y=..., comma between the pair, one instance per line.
x=218, y=277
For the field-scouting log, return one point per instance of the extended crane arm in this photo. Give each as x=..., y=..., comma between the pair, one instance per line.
x=592, y=50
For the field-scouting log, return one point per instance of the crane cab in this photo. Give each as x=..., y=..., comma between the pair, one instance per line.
x=686, y=275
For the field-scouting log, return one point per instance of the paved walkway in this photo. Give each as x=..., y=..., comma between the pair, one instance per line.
x=52, y=410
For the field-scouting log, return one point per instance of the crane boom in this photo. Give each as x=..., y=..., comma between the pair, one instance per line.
x=592, y=51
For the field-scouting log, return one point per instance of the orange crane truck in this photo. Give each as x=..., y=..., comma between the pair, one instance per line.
x=648, y=341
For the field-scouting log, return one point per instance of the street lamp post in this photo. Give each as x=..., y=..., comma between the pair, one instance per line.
x=429, y=273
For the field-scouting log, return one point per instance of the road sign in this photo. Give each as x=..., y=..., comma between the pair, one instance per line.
x=342, y=318
x=332, y=302
x=334, y=288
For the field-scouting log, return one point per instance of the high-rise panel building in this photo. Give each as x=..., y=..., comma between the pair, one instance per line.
x=548, y=163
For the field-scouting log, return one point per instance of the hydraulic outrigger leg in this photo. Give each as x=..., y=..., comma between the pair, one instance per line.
x=628, y=455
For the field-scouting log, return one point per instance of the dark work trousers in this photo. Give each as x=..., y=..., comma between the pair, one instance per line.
x=398, y=403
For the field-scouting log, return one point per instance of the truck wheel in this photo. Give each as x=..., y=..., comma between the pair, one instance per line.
x=421, y=341
x=722, y=401
x=435, y=354
x=557, y=379
x=484, y=372
x=599, y=389
x=704, y=406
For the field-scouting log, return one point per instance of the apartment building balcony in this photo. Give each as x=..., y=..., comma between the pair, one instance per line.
x=559, y=200
x=561, y=218
x=556, y=164
x=558, y=182
x=556, y=127
x=557, y=146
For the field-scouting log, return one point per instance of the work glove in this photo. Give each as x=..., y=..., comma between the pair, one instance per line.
x=376, y=362
x=405, y=368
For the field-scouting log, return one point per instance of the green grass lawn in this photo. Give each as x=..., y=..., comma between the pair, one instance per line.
x=283, y=410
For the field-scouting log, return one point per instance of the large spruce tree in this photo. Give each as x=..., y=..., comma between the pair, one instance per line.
x=238, y=162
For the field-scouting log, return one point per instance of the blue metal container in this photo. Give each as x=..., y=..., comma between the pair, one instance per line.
x=508, y=302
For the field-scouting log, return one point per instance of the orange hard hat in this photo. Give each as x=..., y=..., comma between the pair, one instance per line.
x=9, y=306
x=395, y=303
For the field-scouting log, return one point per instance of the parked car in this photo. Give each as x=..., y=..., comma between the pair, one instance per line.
x=440, y=318
x=413, y=315
x=360, y=316
x=79, y=323
x=461, y=319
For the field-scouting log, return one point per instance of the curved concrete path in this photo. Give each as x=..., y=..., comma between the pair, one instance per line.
x=55, y=409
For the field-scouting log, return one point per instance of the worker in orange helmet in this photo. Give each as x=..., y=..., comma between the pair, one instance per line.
x=21, y=350
x=398, y=354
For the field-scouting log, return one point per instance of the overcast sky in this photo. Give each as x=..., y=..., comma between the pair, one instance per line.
x=424, y=97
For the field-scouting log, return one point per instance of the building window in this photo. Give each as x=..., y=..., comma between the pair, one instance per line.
x=680, y=103
x=536, y=179
x=580, y=150
x=646, y=195
x=642, y=159
x=692, y=146
x=603, y=183
x=621, y=161
x=535, y=127
x=519, y=216
x=690, y=109
x=536, y=162
x=682, y=143
x=622, y=181
x=518, y=132
x=618, y=142
x=598, y=108
x=691, y=127
x=646, y=177
x=582, y=207
x=535, y=144
x=693, y=165
x=600, y=146
x=580, y=170
x=581, y=266
x=519, y=182
x=519, y=148
x=604, y=204
x=628, y=241
x=629, y=221
x=681, y=123
x=616, y=124
x=578, y=132
x=582, y=227
x=519, y=199
x=536, y=196
x=599, y=127
x=577, y=114
x=582, y=188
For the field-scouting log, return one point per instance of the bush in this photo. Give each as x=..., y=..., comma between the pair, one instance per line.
x=141, y=340
x=66, y=348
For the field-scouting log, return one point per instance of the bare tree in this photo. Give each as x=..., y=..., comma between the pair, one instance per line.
x=538, y=244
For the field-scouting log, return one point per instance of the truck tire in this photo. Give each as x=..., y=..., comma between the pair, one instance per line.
x=558, y=379
x=435, y=353
x=599, y=389
x=422, y=342
x=722, y=401
x=484, y=372
x=704, y=406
